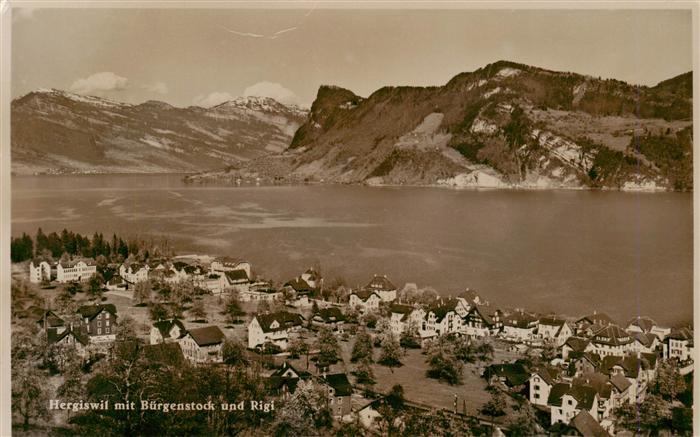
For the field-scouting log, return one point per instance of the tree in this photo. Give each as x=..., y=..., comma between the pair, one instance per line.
x=364, y=372
x=496, y=406
x=362, y=349
x=391, y=410
x=390, y=354
x=198, y=311
x=444, y=366
x=232, y=308
x=95, y=285
x=328, y=348
x=74, y=287
x=304, y=413
x=652, y=414
x=234, y=353
x=142, y=292
x=30, y=396
x=524, y=423
x=297, y=347
x=158, y=312
x=64, y=303
x=669, y=382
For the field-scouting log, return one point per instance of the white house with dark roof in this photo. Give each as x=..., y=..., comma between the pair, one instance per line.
x=566, y=400
x=575, y=344
x=587, y=325
x=259, y=290
x=134, y=272
x=554, y=330
x=611, y=340
x=404, y=317
x=540, y=385
x=444, y=316
x=312, y=277
x=273, y=328
x=383, y=287
x=478, y=323
x=679, y=345
x=236, y=280
x=519, y=326
x=644, y=342
x=166, y=331
x=203, y=345
x=364, y=300
x=79, y=270
x=221, y=265
x=39, y=270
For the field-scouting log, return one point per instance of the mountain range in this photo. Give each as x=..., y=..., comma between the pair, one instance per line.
x=504, y=125
x=54, y=131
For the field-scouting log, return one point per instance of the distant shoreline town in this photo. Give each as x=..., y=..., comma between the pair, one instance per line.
x=540, y=372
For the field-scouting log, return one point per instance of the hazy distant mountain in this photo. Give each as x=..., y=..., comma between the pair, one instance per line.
x=506, y=124
x=58, y=132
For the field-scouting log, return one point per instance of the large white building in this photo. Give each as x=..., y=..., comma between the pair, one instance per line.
x=134, y=272
x=203, y=345
x=75, y=270
x=273, y=328
x=39, y=270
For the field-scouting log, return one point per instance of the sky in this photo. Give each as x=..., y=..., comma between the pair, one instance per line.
x=206, y=56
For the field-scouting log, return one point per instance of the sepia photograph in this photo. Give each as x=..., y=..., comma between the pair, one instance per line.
x=318, y=218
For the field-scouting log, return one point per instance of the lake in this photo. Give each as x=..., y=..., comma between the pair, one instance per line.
x=567, y=251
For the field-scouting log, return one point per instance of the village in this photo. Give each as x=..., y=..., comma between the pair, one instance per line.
x=460, y=355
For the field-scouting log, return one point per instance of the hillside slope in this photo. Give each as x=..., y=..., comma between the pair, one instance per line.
x=58, y=132
x=504, y=125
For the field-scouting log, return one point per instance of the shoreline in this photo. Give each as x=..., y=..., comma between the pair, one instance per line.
x=228, y=182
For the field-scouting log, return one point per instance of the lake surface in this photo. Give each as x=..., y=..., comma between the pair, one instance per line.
x=567, y=251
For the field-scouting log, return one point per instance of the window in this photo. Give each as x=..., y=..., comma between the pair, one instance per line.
x=99, y=331
x=106, y=330
x=99, y=323
x=570, y=402
x=106, y=315
x=106, y=322
x=537, y=395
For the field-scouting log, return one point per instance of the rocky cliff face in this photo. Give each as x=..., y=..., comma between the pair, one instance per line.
x=505, y=125
x=58, y=132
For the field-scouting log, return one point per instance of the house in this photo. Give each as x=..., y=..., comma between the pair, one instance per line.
x=330, y=317
x=611, y=340
x=49, y=321
x=587, y=324
x=641, y=324
x=512, y=375
x=116, y=283
x=567, y=400
x=283, y=381
x=75, y=270
x=540, y=385
x=339, y=393
x=575, y=345
x=644, y=342
x=554, y=330
x=371, y=414
x=364, y=300
x=312, y=277
x=134, y=272
x=273, y=328
x=444, y=316
x=203, y=345
x=477, y=323
x=519, y=326
x=583, y=363
x=587, y=426
x=639, y=370
x=99, y=322
x=259, y=290
x=679, y=345
x=472, y=297
x=236, y=280
x=69, y=340
x=222, y=265
x=404, y=318
x=39, y=270
x=165, y=331
x=383, y=287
